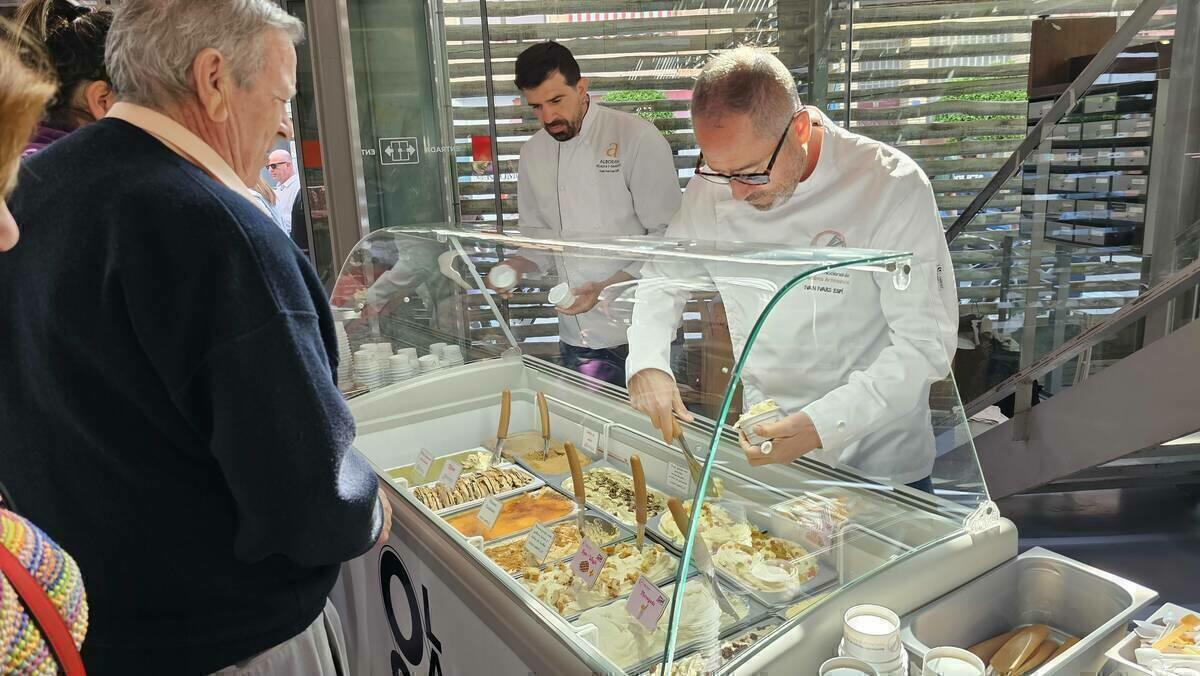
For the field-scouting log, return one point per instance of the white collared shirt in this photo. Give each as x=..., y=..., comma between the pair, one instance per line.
x=186, y=144
x=616, y=177
x=285, y=199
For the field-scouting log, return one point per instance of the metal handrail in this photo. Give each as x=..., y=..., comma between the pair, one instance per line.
x=1065, y=102
x=1139, y=307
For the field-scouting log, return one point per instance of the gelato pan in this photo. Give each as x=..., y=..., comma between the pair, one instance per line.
x=517, y=514
x=708, y=661
x=472, y=461
x=717, y=526
x=558, y=587
x=473, y=486
x=510, y=555
x=527, y=448
x=768, y=565
x=627, y=643
x=611, y=491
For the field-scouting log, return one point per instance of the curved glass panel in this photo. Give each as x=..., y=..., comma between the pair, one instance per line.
x=623, y=339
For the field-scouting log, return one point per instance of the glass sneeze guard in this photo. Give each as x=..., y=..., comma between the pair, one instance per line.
x=851, y=346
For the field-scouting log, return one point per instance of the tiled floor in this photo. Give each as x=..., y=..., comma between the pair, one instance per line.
x=1150, y=536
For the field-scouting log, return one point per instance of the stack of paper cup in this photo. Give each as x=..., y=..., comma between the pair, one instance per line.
x=452, y=355
x=561, y=296
x=369, y=369
x=384, y=349
x=951, y=661
x=345, y=373
x=401, y=368
x=429, y=363
x=847, y=666
x=435, y=349
x=872, y=634
x=410, y=352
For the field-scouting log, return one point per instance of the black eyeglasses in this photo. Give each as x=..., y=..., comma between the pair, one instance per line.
x=273, y=165
x=754, y=178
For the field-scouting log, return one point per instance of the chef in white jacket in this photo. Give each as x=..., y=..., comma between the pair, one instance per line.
x=848, y=356
x=590, y=172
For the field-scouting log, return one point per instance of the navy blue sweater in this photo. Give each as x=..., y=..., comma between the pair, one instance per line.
x=168, y=406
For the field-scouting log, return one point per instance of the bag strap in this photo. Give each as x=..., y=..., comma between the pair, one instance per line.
x=53, y=627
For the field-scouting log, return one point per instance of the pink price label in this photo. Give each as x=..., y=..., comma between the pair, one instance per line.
x=646, y=603
x=588, y=562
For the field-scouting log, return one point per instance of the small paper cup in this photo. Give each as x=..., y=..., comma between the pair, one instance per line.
x=847, y=666
x=747, y=426
x=561, y=296
x=950, y=661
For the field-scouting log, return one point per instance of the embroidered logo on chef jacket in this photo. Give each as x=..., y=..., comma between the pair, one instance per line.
x=611, y=165
x=829, y=238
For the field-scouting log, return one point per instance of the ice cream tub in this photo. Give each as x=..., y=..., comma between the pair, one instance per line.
x=635, y=650
x=472, y=460
x=760, y=414
x=532, y=483
x=557, y=587
x=508, y=553
x=610, y=491
x=733, y=644
x=518, y=514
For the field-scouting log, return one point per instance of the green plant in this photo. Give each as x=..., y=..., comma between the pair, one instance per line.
x=633, y=95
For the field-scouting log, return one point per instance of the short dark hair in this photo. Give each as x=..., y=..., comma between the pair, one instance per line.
x=536, y=64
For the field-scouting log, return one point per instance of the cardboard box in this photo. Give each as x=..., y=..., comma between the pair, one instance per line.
x=1039, y=108
x=1095, y=184
x=1066, y=132
x=1062, y=183
x=1095, y=157
x=1058, y=208
x=1134, y=184
x=1096, y=210
x=1127, y=211
x=1135, y=127
x=1132, y=157
x=1098, y=131
x=1100, y=103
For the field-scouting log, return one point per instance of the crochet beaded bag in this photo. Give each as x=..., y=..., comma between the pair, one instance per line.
x=43, y=609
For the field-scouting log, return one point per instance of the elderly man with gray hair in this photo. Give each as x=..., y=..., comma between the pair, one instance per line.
x=169, y=410
x=775, y=172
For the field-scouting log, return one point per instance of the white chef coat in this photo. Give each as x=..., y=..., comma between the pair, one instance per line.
x=285, y=199
x=616, y=177
x=847, y=348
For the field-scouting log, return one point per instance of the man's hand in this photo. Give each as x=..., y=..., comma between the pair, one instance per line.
x=586, y=297
x=791, y=437
x=387, y=517
x=655, y=393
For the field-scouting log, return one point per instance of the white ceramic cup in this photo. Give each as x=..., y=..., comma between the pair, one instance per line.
x=847, y=666
x=950, y=661
x=561, y=296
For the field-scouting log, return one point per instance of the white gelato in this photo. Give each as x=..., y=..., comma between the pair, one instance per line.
x=717, y=526
x=558, y=587
x=627, y=643
x=769, y=565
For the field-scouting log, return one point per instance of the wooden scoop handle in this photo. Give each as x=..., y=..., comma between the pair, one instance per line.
x=505, y=414
x=680, y=514
x=544, y=410
x=639, y=487
x=576, y=474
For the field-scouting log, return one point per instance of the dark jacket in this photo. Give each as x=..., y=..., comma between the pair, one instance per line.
x=168, y=410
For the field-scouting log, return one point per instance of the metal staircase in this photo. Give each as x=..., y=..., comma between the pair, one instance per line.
x=1104, y=363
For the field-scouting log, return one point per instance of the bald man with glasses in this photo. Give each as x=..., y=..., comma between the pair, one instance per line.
x=775, y=172
x=287, y=185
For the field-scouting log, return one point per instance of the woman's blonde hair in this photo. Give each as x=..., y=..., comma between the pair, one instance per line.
x=24, y=91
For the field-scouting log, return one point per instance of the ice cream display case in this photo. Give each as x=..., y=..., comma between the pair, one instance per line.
x=558, y=508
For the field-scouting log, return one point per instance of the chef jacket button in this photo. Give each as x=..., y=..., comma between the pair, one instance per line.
x=841, y=425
